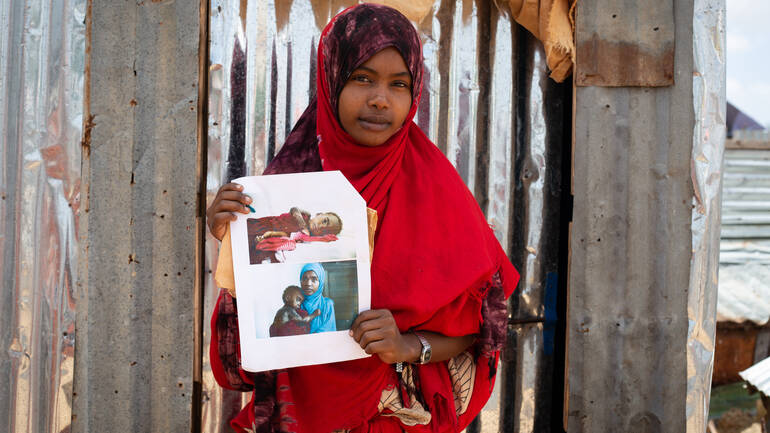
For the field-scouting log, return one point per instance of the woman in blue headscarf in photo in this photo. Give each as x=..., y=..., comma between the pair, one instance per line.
x=312, y=277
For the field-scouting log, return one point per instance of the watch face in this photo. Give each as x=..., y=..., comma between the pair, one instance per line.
x=426, y=356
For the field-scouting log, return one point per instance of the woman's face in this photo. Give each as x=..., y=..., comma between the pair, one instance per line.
x=376, y=98
x=309, y=282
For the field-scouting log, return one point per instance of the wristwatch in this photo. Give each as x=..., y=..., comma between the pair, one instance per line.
x=426, y=352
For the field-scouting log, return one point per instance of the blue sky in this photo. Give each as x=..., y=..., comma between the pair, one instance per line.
x=748, y=57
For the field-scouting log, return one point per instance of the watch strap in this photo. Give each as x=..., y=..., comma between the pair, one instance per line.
x=426, y=352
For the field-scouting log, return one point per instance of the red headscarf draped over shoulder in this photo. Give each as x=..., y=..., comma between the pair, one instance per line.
x=434, y=251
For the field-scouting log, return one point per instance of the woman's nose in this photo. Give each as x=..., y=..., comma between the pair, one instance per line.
x=378, y=100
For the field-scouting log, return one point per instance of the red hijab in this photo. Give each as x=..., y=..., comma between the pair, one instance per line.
x=434, y=250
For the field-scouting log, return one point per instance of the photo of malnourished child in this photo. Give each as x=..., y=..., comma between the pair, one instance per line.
x=270, y=237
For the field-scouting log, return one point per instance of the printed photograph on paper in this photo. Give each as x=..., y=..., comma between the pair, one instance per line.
x=275, y=238
x=301, y=265
x=308, y=298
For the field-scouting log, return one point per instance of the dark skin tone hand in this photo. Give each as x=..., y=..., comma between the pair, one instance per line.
x=376, y=332
x=229, y=199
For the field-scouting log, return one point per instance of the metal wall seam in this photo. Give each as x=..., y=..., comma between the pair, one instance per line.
x=709, y=104
x=42, y=63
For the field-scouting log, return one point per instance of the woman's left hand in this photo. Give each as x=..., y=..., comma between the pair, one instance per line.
x=376, y=332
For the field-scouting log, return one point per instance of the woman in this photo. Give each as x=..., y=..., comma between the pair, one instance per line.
x=312, y=277
x=439, y=316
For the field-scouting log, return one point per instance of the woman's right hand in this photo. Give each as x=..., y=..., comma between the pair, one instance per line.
x=229, y=199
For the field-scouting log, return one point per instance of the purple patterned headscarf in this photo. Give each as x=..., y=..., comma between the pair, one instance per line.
x=353, y=37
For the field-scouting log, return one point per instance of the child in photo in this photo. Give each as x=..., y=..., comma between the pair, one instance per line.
x=291, y=319
x=270, y=234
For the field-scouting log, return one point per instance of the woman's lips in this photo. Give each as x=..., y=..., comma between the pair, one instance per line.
x=374, y=123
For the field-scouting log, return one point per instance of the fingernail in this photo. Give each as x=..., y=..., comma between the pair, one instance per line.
x=240, y=187
x=350, y=332
x=248, y=199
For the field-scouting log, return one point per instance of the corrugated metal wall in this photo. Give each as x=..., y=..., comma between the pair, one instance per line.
x=488, y=104
x=42, y=51
x=744, y=259
x=135, y=307
x=746, y=199
x=645, y=234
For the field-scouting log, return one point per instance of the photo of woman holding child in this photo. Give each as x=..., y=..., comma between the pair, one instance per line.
x=306, y=310
x=312, y=277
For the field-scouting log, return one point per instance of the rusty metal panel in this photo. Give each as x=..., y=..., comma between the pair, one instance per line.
x=134, y=363
x=644, y=240
x=623, y=43
x=734, y=352
x=42, y=53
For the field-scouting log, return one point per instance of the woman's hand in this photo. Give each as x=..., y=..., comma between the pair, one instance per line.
x=376, y=332
x=229, y=199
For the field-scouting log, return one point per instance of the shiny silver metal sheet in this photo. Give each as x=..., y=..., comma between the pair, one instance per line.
x=744, y=293
x=261, y=78
x=537, y=220
x=526, y=379
x=759, y=376
x=708, y=142
x=218, y=405
x=42, y=52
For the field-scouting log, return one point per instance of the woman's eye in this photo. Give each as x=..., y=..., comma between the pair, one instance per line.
x=401, y=84
x=361, y=78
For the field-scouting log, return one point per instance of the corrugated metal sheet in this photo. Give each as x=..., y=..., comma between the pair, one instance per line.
x=706, y=168
x=752, y=135
x=262, y=66
x=746, y=199
x=643, y=245
x=744, y=259
x=135, y=347
x=634, y=48
x=759, y=376
x=42, y=52
x=529, y=379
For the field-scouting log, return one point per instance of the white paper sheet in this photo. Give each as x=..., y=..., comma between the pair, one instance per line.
x=263, y=277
